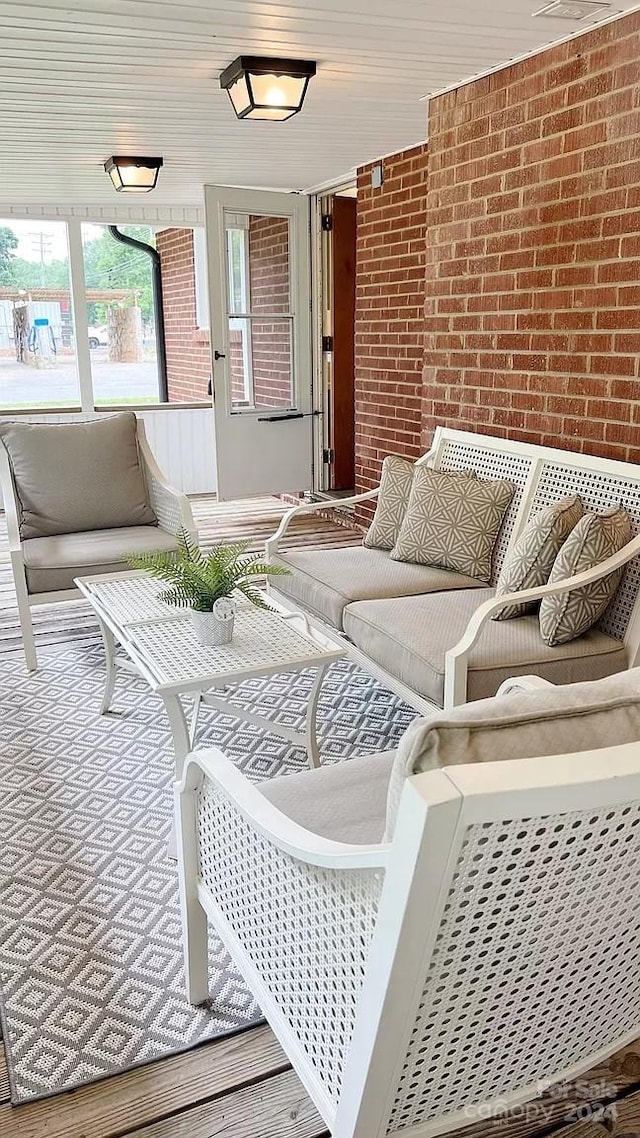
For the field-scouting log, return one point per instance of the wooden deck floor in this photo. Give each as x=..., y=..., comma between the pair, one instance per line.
x=244, y=1087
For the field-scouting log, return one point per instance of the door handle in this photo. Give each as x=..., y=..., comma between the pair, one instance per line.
x=219, y=356
x=280, y=418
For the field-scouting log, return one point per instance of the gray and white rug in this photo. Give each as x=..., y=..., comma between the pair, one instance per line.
x=90, y=954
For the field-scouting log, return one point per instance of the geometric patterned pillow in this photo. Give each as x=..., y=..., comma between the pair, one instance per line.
x=531, y=559
x=395, y=487
x=594, y=538
x=452, y=522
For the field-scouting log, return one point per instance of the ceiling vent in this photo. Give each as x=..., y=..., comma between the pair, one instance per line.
x=574, y=9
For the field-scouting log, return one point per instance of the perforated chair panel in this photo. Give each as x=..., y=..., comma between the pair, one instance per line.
x=491, y=464
x=535, y=966
x=599, y=492
x=307, y=930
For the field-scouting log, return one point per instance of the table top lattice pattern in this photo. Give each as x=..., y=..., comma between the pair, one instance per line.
x=129, y=600
x=165, y=639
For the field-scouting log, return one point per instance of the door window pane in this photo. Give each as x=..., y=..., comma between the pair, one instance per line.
x=37, y=343
x=122, y=335
x=259, y=312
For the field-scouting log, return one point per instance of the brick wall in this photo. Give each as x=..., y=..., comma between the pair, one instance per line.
x=269, y=283
x=533, y=250
x=188, y=355
x=390, y=266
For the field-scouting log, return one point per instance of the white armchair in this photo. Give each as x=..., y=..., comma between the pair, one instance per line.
x=79, y=498
x=422, y=982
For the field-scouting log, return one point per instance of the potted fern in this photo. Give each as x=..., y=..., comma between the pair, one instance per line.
x=205, y=582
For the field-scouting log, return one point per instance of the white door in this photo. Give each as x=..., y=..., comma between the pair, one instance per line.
x=259, y=290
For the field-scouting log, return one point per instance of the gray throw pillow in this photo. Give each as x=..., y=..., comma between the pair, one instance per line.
x=520, y=725
x=531, y=560
x=395, y=487
x=72, y=477
x=452, y=522
x=593, y=539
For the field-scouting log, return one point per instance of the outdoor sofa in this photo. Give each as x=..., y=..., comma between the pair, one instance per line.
x=429, y=632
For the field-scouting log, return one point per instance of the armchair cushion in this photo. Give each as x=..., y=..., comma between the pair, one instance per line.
x=51, y=563
x=410, y=636
x=453, y=521
x=76, y=477
x=343, y=801
x=594, y=538
x=325, y=580
x=520, y=725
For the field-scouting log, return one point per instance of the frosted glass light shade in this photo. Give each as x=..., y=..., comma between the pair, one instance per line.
x=267, y=88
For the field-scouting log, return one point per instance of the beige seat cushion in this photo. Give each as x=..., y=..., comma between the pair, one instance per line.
x=520, y=725
x=52, y=562
x=74, y=477
x=325, y=580
x=344, y=801
x=410, y=636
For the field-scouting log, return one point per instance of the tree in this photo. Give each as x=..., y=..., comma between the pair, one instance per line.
x=8, y=245
x=109, y=264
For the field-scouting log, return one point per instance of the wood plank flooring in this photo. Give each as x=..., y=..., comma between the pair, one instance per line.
x=244, y=1087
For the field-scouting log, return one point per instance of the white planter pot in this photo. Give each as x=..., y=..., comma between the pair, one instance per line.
x=210, y=630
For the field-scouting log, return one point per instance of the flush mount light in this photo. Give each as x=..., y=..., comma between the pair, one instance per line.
x=264, y=88
x=133, y=175
x=573, y=9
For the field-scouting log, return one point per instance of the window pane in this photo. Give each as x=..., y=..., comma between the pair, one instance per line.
x=37, y=345
x=122, y=335
x=258, y=264
x=260, y=371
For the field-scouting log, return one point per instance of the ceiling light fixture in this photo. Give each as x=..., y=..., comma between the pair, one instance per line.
x=265, y=88
x=133, y=175
x=574, y=9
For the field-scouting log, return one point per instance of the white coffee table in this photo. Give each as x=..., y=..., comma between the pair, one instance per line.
x=159, y=644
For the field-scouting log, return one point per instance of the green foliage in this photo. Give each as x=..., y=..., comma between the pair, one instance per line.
x=198, y=580
x=32, y=274
x=109, y=264
x=8, y=245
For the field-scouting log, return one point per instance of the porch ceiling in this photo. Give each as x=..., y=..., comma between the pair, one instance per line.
x=81, y=81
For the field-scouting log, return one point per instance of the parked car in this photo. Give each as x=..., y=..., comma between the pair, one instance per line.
x=98, y=337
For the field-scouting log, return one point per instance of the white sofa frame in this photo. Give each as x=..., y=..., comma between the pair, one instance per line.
x=541, y=475
x=408, y=996
x=171, y=508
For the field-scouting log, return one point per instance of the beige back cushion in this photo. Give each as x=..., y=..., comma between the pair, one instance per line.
x=521, y=725
x=71, y=477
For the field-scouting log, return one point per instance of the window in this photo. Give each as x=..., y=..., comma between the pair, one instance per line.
x=120, y=309
x=38, y=366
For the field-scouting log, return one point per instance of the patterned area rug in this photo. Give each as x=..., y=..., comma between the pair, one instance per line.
x=90, y=953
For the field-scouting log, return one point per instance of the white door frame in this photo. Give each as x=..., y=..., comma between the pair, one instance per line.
x=258, y=452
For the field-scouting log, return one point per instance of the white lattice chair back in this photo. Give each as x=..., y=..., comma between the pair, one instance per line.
x=416, y=987
x=516, y=962
x=541, y=476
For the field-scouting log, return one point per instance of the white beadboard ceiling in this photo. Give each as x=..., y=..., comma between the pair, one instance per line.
x=83, y=79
